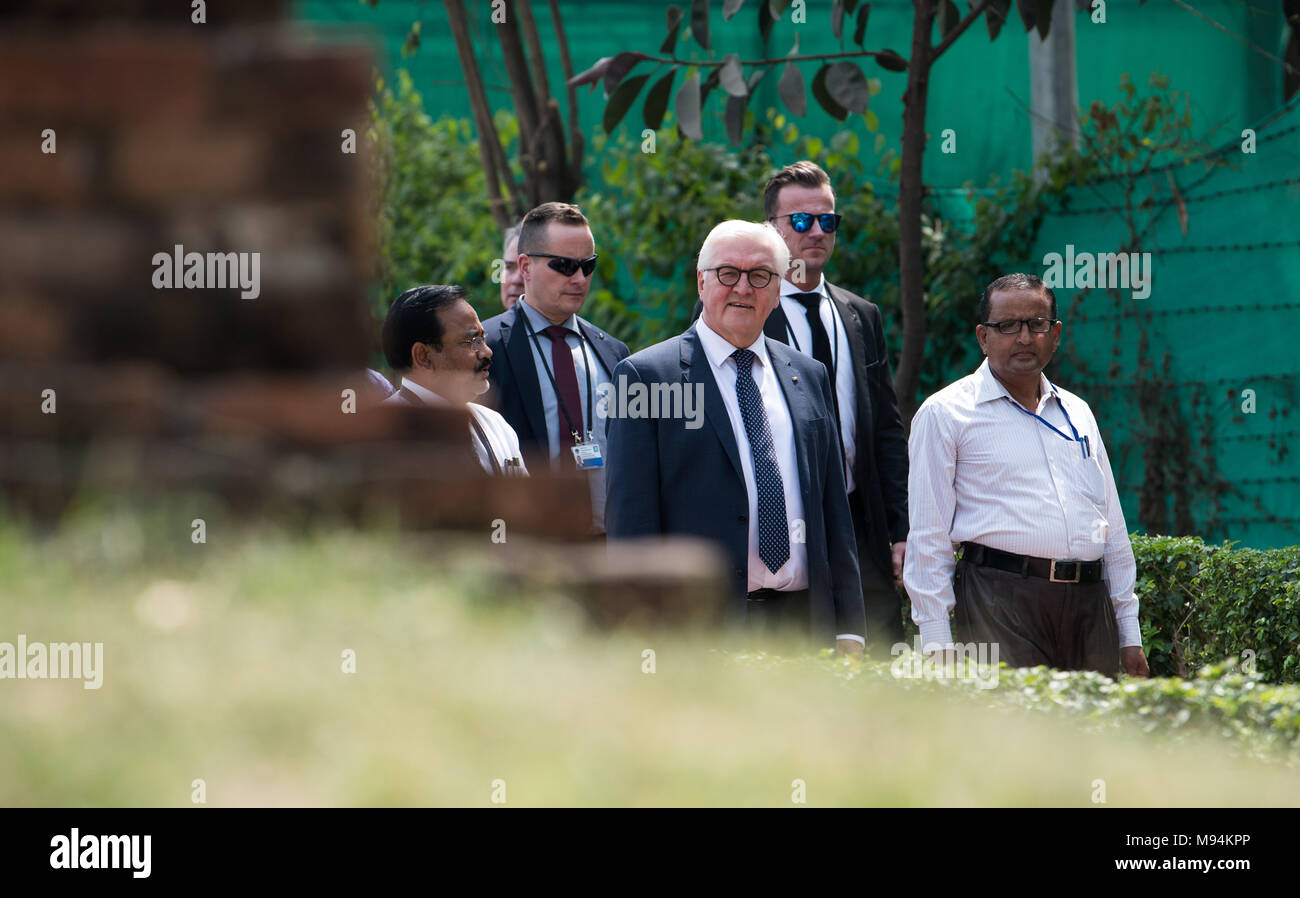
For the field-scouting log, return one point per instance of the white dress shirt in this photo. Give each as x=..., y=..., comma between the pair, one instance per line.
x=984, y=470
x=583, y=359
x=842, y=358
x=793, y=575
x=503, y=442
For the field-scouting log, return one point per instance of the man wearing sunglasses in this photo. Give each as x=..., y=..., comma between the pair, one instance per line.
x=764, y=478
x=845, y=332
x=433, y=339
x=1011, y=468
x=549, y=361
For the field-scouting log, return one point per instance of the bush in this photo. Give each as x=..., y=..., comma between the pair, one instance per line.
x=1258, y=719
x=1201, y=604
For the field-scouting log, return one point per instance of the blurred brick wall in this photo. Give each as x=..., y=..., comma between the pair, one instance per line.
x=220, y=137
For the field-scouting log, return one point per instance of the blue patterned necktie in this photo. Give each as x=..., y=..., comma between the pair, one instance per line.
x=773, y=528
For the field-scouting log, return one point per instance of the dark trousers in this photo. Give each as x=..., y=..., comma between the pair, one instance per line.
x=1069, y=626
x=883, y=605
x=773, y=618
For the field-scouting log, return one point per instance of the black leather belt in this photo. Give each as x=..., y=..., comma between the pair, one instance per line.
x=775, y=595
x=1055, y=570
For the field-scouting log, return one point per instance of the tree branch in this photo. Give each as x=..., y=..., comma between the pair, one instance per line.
x=1260, y=50
x=976, y=9
x=566, y=62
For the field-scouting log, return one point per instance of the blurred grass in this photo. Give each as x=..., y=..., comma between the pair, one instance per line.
x=222, y=662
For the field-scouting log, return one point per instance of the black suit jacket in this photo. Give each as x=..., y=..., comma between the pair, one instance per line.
x=880, y=469
x=664, y=477
x=515, y=391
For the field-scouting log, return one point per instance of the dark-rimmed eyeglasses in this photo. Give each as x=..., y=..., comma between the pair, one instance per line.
x=474, y=343
x=729, y=276
x=802, y=221
x=567, y=266
x=1011, y=326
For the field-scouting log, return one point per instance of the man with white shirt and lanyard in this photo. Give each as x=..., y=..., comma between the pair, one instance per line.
x=550, y=362
x=1012, y=468
x=432, y=337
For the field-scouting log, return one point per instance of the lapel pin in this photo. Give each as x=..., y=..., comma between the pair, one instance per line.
x=794, y=378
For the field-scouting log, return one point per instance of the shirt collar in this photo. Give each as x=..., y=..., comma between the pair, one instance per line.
x=989, y=387
x=425, y=395
x=789, y=289
x=539, y=321
x=719, y=350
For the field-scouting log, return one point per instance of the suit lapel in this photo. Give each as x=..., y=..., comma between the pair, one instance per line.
x=776, y=325
x=524, y=368
x=855, y=328
x=802, y=413
x=605, y=350
x=696, y=369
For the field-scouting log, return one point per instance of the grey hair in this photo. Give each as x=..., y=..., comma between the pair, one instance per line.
x=761, y=233
x=511, y=234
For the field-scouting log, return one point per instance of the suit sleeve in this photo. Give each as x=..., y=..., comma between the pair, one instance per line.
x=841, y=542
x=891, y=442
x=632, y=470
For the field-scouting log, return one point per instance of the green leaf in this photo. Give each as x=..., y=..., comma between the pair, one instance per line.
x=847, y=86
x=891, y=61
x=687, y=107
x=995, y=16
x=873, y=123
x=675, y=16
x=700, y=22
x=837, y=18
x=823, y=97
x=860, y=31
x=791, y=89
x=765, y=20
x=656, y=101
x=949, y=17
x=732, y=76
x=1027, y=10
x=735, y=118
x=619, y=104
x=1043, y=17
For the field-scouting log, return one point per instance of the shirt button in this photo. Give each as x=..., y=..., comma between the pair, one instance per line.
x=741, y=518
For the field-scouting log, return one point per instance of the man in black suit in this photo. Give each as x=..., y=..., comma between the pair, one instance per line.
x=845, y=332
x=548, y=363
x=763, y=474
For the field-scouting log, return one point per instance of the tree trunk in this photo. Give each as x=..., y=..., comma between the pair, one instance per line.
x=521, y=88
x=911, y=192
x=490, y=152
x=554, y=175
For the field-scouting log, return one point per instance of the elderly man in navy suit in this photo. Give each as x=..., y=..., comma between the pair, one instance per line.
x=764, y=476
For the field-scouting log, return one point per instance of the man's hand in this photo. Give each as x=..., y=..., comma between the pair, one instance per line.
x=850, y=647
x=1134, y=660
x=899, y=552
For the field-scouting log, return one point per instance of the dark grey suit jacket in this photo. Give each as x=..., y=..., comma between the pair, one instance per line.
x=515, y=391
x=663, y=477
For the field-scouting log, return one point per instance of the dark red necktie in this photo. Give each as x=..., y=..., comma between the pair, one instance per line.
x=566, y=382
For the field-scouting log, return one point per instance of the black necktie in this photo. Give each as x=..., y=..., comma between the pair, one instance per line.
x=821, y=344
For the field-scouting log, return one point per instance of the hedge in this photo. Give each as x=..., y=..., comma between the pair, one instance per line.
x=1200, y=605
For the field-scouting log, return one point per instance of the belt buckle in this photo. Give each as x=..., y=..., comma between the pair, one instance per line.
x=1078, y=571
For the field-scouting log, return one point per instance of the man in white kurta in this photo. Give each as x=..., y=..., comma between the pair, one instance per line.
x=433, y=338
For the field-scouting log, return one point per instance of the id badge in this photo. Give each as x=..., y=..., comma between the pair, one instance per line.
x=587, y=455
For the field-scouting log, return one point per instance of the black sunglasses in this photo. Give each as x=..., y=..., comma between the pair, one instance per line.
x=802, y=221
x=566, y=266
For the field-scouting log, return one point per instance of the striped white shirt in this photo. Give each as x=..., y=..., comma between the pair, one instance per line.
x=983, y=469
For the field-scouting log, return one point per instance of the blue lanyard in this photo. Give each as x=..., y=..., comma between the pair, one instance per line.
x=1082, y=441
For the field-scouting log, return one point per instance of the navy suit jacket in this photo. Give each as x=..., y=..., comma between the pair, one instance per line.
x=515, y=391
x=880, y=469
x=663, y=477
